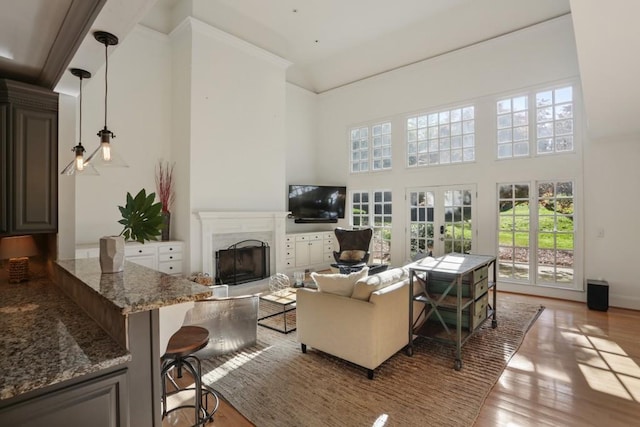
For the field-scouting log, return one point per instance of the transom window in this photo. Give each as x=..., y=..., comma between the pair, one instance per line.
x=554, y=118
x=442, y=137
x=513, y=127
x=371, y=148
x=553, y=122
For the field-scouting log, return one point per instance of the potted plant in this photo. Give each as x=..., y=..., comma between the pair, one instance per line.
x=141, y=220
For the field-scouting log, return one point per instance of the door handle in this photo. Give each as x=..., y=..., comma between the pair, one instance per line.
x=442, y=229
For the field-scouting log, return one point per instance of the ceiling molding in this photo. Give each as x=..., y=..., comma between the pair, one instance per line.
x=76, y=25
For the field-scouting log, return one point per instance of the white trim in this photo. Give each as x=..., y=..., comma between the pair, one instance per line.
x=215, y=223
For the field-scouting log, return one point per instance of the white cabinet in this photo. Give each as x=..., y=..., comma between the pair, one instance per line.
x=163, y=256
x=311, y=251
x=170, y=257
x=142, y=254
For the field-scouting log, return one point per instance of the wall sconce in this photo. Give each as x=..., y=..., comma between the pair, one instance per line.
x=104, y=155
x=17, y=250
x=78, y=166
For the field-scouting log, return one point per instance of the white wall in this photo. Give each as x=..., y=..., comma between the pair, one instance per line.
x=234, y=132
x=139, y=111
x=535, y=57
x=612, y=205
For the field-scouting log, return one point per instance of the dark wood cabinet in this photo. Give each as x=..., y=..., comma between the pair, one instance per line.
x=28, y=159
x=99, y=401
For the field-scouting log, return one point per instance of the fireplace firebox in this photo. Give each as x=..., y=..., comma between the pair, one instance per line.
x=242, y=262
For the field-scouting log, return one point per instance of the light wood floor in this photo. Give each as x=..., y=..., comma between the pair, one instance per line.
x=576, y=367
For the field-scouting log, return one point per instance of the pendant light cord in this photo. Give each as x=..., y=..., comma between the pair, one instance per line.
x=106, y=85
x=80, y=136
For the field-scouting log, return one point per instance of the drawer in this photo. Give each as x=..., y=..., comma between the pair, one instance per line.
x=289, y=245
x=481, y=287
x=329, y=241
x=480, y=274
x=290, y=253
x=329, y=235
x=481, y=315
x=481, y=304
x=139, y=250
x=304, y=238
x=291, y=262
x=170, y=257
x=328, y=248
x=316, y=237
x=329, y=257
x=167, y=249
x=170, y=267
x=289, y=239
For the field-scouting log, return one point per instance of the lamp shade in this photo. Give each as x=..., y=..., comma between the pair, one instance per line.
x=17, y=246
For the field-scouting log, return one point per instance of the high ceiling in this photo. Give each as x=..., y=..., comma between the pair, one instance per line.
x=331, y=43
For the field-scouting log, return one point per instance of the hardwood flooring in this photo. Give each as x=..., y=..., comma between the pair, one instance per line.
x=576, y=367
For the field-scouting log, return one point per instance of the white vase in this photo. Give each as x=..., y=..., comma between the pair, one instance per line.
x=112, y=254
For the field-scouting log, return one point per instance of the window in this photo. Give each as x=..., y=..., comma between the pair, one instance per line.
x=550, y=253
x=441, y=138
x=371, y=148
x=553, y=123
x=514, y=231
x=554, y=119
x=374, y=210
x=555, y=232
x=513, y=127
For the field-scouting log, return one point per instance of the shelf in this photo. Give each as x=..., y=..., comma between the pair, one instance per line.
x=450, y=301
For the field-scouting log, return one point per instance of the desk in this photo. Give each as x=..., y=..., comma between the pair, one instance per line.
x=454, y=293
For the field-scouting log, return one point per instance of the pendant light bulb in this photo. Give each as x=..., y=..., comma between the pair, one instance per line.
x=78, y=166
x=105, y=155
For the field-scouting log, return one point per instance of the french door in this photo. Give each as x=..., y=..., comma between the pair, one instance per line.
x=441, y=220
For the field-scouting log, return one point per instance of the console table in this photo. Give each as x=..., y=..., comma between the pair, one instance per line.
x=454, y=294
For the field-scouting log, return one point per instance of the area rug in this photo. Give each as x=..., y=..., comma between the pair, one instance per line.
x=274, y=384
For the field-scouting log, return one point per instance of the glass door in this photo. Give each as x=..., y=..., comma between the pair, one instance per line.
x=440, y=220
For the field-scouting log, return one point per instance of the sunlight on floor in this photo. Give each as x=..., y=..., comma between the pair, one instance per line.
x=381, y=421
x=230, y=365
x=605, y=365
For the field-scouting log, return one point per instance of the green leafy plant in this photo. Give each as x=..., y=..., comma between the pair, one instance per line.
x=141, y=218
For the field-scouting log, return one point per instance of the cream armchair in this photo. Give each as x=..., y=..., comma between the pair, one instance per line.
x=364, y=332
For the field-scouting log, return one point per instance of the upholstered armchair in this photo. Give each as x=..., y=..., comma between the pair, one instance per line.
x=354, y=246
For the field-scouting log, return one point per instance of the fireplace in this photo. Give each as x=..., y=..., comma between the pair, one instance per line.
x=222, y=229
x=242, y=262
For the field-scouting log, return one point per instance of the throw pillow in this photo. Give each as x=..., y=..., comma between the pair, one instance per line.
x=354, y=255
x=365, y=287
x=339, y=284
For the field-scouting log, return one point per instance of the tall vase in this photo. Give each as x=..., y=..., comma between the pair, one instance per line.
x=112, y=254
x=166, y=226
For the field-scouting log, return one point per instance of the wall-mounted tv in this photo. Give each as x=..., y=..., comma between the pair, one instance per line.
x=317, y=203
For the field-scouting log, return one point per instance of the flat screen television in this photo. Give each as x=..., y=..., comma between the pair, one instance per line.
x=317, y=203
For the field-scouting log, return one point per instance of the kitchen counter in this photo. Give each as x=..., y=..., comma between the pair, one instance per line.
x=86, y=341
x=135, y=289
x=46, y=339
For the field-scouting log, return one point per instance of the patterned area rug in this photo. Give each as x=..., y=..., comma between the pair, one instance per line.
x=274, y=384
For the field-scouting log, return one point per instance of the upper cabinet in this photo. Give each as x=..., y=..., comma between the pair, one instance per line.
x=28, y=159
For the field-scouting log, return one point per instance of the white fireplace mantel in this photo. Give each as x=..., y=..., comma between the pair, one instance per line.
x=215, y=223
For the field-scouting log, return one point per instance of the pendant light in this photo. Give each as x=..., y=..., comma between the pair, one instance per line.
x=78, y=166
x=105, y=155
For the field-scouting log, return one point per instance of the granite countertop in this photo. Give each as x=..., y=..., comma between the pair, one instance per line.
x=137, y=288
x=45, y=339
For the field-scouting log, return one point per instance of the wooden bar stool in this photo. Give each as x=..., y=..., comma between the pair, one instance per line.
x=179, y=355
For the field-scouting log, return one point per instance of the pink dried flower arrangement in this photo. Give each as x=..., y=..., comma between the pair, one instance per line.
x=165, y=184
